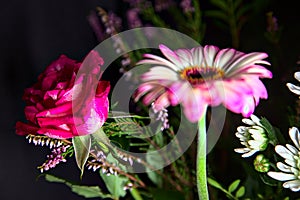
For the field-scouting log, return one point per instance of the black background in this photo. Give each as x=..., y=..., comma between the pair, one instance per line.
x=33, y=33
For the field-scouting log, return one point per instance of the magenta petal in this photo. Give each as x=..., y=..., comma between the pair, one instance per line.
x=103, y=88
x=177, y=91
x=52, y=94
x=55, y=121
x=25, y=129
x=30, y=113
x=248, y=106
x=92, y=119
x=55, y=133
x=171, y=55
x=61, y=110
x=162, y=102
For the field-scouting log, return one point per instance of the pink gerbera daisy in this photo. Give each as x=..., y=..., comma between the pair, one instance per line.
x=204, y=76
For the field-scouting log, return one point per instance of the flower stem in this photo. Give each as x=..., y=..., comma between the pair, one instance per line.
x=201, y=160
x=135, y=194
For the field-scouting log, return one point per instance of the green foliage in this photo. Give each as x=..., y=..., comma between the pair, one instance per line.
x=233, y=13
x=114, y=183
x=233, y=187
x=85, y=191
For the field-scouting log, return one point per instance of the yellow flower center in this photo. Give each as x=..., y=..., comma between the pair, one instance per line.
x=197, y=75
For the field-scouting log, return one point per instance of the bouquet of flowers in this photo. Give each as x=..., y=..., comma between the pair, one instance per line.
x=145, y=108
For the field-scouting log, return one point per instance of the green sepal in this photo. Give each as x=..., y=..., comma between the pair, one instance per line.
x=82, y=146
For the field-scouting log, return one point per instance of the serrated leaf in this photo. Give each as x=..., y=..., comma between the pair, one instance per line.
x=85, y=191
x=240, y=192
x=82, y=146
x=214, y=183
x=233, y=186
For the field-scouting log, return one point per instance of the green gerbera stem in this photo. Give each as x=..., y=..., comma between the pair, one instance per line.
x=201, y=160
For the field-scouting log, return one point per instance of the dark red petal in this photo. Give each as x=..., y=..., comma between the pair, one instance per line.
x=25, y=129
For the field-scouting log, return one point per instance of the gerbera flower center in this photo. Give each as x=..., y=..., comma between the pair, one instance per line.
x=197, y=75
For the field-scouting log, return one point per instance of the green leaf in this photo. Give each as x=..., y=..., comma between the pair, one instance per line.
x=214, y=183
x=154, y=159
x=54, y=179
x=216, y=14
x=240, y=192
x=114, y=183
x=233, y=186
x=221, y=4
x=89, y=191
x=82, y=146
x=85, y=191
x=237, y=4
x=102, y=140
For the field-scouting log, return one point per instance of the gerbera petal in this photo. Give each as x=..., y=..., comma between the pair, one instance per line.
x=245, y=60
x=172, y=56
x=159, y=61
x=253, y=69
x=224, y=58
x=197, y=54
x=162, y=102
x=185, y=57
x=177, y=92
x=160, y=73
x=210, y=52
x=193, y=105
x=153, y=95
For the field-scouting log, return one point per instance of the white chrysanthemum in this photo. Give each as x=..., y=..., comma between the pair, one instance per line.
x=290, y=169
x=293, y=88
x=253, y=137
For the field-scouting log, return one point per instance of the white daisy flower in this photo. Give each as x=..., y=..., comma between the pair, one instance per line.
x=293, y=88
x=290, y=169
x=253, y=137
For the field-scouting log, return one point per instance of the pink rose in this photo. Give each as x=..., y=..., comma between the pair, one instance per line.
x=65, y=103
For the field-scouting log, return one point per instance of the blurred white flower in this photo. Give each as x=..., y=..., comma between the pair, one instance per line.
x=290, y=169
x=253, y=137
x=293, y=88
